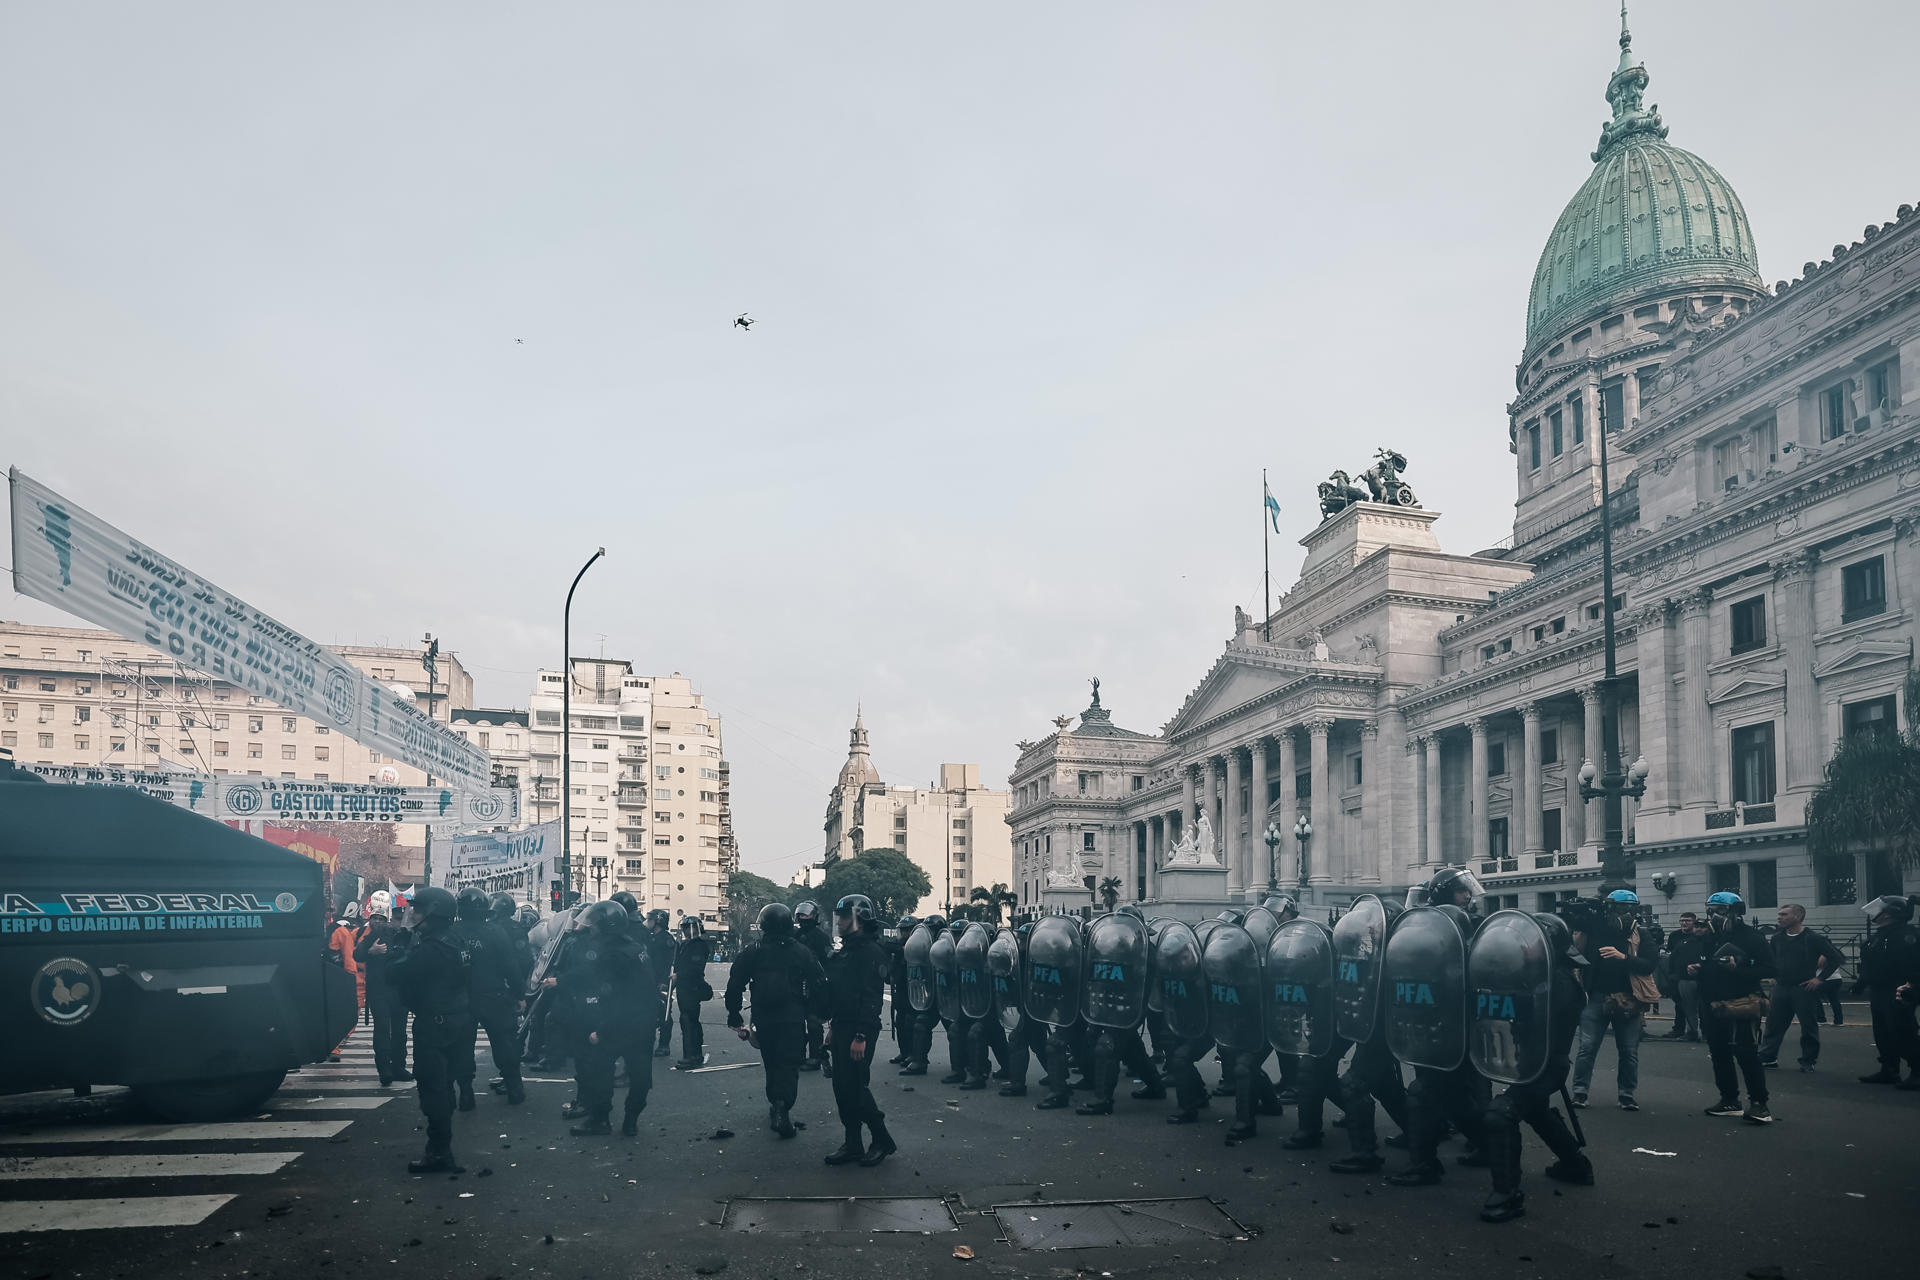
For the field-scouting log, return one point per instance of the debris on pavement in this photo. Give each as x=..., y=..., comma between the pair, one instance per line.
x=1649, y=1151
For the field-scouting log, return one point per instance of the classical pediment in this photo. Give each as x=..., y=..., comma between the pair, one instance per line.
x=1746, y=684
x=1861, y=655
x=1229, y=685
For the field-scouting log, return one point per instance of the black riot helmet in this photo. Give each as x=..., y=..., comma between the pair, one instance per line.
x=1448, y=883
x=1132, y=909
x=935, y=922
x=956, y=927
x=1231, y=916
x=860, y=907
x=527, y=917
x=1560, y=940
x=1899, y=908
x=434, y=906
x=776, y=920
x=658, y=918
x=607, y=918
x=500, y=908
x=806, y=915
x=908, y=924
x=472, y=904
x=690, y=927
x=1283, y=905
x=628, y=902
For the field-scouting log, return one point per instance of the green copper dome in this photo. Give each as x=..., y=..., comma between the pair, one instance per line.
x=1650, y=217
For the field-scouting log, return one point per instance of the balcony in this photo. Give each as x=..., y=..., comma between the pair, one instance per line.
x=1745, y=815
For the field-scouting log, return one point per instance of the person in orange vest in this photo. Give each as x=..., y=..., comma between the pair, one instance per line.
x=340, y=945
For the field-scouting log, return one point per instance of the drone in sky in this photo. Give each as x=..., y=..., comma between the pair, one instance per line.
x=743, y=321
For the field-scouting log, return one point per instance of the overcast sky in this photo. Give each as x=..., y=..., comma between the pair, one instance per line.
x=1040, y=289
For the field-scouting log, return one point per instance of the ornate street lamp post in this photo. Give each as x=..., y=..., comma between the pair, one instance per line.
x=566, y=737
x=1273, y=837
x=1608, y=782
x=1303, y=832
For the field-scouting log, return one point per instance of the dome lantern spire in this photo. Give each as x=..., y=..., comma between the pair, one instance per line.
x=1626, y=95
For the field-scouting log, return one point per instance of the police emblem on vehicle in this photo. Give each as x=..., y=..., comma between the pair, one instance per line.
x=66, y=991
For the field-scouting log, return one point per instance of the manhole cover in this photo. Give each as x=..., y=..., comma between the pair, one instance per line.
x=1103, y=1224
x=837, y=1213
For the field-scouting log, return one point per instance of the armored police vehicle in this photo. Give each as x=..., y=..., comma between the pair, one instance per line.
x=144, y=945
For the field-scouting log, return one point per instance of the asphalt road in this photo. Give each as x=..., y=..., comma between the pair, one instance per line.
x=316, y=1186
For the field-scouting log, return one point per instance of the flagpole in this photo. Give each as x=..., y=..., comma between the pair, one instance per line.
x=1266, y=558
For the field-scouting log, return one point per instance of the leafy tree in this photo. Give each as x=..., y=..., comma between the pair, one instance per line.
x=1871, y=796
x=1110, y=892
x=746, y=894
x=993, y=901
x=894, y=882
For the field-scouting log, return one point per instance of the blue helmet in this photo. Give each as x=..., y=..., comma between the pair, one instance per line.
x=1627, y=896
x=1726, y=898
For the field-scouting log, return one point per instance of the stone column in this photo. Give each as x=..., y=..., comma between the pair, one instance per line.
x=1697, y=760
x=1186, y=801
x=1655, y=669
x=1156, y=853
x=1321, y=815
x=1576, y=820
x=1417, y=751
x=1233, y=844
x=1256, y=847
x=1289, y=801
x=1531, y=818
x=1793, y=615
x=1435, y=852
x=1209, y=800
x=1365, y=869
x=1391, y=792
x=1477, y=837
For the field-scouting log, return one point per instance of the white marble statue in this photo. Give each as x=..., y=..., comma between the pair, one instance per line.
x=1195, y=848
x=1065, y=871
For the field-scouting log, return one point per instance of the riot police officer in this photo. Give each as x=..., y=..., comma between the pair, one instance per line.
x=1007, y=960
x=1180, y=992
x=1526, y=1047
x=1373, y=1074
x=808, y=933
x=690, y=988
x=1890, y=972
x=435, y=979
x=787, y=983
x=496, y=996
x=609, y=990
x=856, y=978
x=380, y=946
x=1428, y=1016
x=893, y=942
x=921, y=1020
x=660, y=953
x=1113, y=1000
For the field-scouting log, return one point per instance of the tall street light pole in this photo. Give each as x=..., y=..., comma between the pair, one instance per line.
x=1608, y=782
x=566, y=734
x=1303, y=832
x=1272, y=837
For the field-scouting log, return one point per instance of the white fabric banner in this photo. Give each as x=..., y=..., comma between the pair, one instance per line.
x=508, y=861
x=228, y=796
x=70, y=558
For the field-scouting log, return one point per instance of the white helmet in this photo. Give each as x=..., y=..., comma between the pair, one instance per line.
x=380, y=903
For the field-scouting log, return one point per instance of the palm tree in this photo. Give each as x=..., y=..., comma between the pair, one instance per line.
x=992, y=900
x=1871, y=796
x=1110, y=891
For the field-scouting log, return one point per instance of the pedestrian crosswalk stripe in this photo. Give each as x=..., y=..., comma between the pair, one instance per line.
x=93, y=1215
x=199, y=1164
x=229, y=1131
x=293, y=1100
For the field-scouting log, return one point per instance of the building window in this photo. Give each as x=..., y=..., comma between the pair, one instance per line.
x=288, y=724
x=1578, y=407
x=320, y=753
x=1550, y=839
x=253, y=751
x=287, y=751
x=1835, y=872
x=1489, y=652
x=1496, y=837
x=1753, y=763
x=1748, y=621
x=1303, y=786
x=1723, y=877
x=1613, y=407
x=1496, y=759
x=1533, y=446
x=1763, y=884
x=1139, y=781
x=663, y=793
x=46, y=742
x=1553, y=431
x=256, y=724
x=1863, y=589
x=1872, y=716
x=219, y=749
x=1836, y=412
x=1356, y=770
x=1883, y=386
x=1549, y=747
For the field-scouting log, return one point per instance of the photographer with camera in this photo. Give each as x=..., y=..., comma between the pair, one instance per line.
x=1619, y=979
x=1737, y=960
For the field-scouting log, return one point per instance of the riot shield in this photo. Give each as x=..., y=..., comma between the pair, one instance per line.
x=1203, y=931
x=946, y=975
x=976, y=991
x=916, y=951
x=1260, y=924
x=1359, y=937
x=1054, y=953
x=1114, y=992
x=1004, y=969
x=1510, y=978
x=1424, y=990
x=1299, y=989
x=1233, y=987
x=1180, y=981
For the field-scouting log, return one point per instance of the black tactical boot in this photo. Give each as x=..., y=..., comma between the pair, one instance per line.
x=1241, y=1129
x=466, y=1096
x=953, y=1077
x=782, y=1123
x=1150, y=1092
x=1014, y=1091
x=850, y=1150
x=572, y=1110
x=1504, y=1206
x=974, y=1082
x=882, y=1142
x=1097, y=1107
x=1052, y=1102
x=594, y=1126
x=630, y=1120
x=1425, y=1174
x=1576, y=1170
x=1301, y=1140
x=434, y=1162
x=1187, y=1116
x=516, y=1090
x=1358, y=1162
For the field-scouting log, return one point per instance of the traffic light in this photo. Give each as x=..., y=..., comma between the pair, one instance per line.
x=556, y=895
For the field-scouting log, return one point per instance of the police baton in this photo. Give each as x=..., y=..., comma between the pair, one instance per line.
x=1573, y=1117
